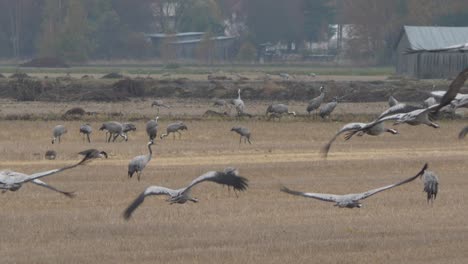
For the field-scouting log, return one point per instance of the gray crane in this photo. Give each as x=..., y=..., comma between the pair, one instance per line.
x=138, y=163
x=243, y=132
x=114, y=129
x=392, y=101
x=429, y=102
x=361, y=128
x=219, y=102
x=431, y=185
x=159, y=104
x=326, y=109
x=421, y=116
x=93, y=154
x=51, y=154
x=351, y=200
x=315, y=103
x=229, y=177
x=174, y=128
x=126, y=128
x=278, y=110
x=152, y=128
x=58, y=132
x=12, y=181
x=238, y=103
x=86, y=130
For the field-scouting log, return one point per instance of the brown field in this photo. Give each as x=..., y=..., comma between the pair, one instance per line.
x=262, y=225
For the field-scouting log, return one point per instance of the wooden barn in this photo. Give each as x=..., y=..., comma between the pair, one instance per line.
x=430, y=65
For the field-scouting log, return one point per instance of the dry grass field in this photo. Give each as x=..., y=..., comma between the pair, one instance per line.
x=262, y=225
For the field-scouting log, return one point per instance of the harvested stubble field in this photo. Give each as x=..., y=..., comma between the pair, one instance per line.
x=262, y=225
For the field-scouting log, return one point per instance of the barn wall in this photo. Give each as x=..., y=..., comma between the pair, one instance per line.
x=434, y=65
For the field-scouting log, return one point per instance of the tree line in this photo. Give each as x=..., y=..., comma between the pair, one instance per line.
x=81, y=30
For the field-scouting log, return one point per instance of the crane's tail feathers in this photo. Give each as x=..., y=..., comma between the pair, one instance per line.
x=134, y=205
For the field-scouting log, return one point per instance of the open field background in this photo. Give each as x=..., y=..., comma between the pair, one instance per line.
x=262, y=225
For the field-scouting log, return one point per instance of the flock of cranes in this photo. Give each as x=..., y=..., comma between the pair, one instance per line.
x=397, y=112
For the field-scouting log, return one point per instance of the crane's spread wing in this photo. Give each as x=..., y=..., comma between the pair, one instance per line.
x=351, y=127
x=463, y=132
x=453, y=90
x=364, y=195
x=50, y=172
x=45, y=185
x=152, y=190
x=398, y=109
x=319, y=196
x=229, y=177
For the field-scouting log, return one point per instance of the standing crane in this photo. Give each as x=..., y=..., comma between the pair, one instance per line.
x=86, y=130
x=152, y=128
x=278, y=110
x=138, y=163
x=159, y=104
x=57, y=133
x=315, y=103
x=174, y=128
x=243, y=132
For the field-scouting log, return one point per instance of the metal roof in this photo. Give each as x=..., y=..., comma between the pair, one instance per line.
x=162, y=35
x=435, y=37
x=199, y=40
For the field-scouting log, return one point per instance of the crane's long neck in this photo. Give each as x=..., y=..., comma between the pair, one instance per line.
x=150, y=152
x=238, y=95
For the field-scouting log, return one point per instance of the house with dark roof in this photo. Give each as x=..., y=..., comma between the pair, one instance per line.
x=430, y=65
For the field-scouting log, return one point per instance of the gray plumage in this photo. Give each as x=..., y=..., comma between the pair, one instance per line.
x=50, y=154
x=326, y=109
x=152, y=128
x=431, y=185
x=12, y=181
x=57, y=133
x=114, y=129
x=219, y=102
x=174, y=128
x=238, y=103
x=429, y=102
x=392, y=101
x=86, y=130
x=278, y=110
x=398, y=109
x=128, y=127
x=229, y=177
x=360, y=128
x=421, y=116
x=159, y=104
x=138, y=163
x=243, y=132
x=315, y=103
x=351, y=200
x=93, y=154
